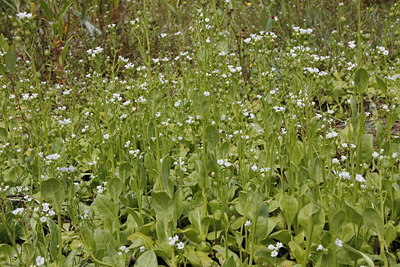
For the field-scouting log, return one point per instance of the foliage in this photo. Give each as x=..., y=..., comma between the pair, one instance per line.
x=199, y=133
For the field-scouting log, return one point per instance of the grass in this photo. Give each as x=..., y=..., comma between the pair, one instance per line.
x=199, y=133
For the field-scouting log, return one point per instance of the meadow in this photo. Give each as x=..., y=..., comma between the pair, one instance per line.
x=199, y=133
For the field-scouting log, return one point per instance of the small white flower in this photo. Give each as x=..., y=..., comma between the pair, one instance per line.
x=124, y=249
x=39, y=261
x=320, y=247
x=206, y=93
x=106, y=136
x=271, y=247
x=274, y=253
x=338, y=242
x=24, y=15
x=142, y=248
x=18, y=211
x=279, y=245
x=180, y=245
x=248, y=223
x=254, y=168
x=345, y=175
x=360, y=178
x=375, y=154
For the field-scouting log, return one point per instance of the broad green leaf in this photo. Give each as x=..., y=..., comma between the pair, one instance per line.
x=381, y=84
x=229, y=263
x=354, y=214
x=125, y=170
x=390, y=234
x=212, y=136
x=53, y=238
x=107, y=209
x=3, y=133
x=367, y=148
x=289, y=207
x=361, y=79
x=6, y=253
x=261, y=224
x=366, y=257
x=147, y=259
x=155, y=98
x=167, y=163
x=374, y=221
x=11, y=60
x=200, y=222
x=162, y=204
x=297, y=251
x=114, y=188
x=138, y=239
x=103, y=239
x=53, y=192
x=338, y=220
x=28, y=253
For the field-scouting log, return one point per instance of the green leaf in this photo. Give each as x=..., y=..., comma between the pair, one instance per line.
x=3, y=133
x=374, y=221
x=367, y=148
x=338, y=220
x=367, y=259
x=147, y=259
x=361, y=79
x=200, y=222
x=103, y=239
x=381, y=84
x=10, y=59
x=114, y=188
x=6, y=253
x=229, y=263
x=212, y=136
x=53, y=192
x=289, y=207
x=165, y=169
x=162, y=204
x=106, y=208
x=261, y=224
x=53, y=238
x=297, y=251
x=390, y=234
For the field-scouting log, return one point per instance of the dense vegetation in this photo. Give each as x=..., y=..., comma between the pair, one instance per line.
x=199, y=133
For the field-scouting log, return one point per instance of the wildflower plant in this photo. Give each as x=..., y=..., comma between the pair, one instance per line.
x=199, y=133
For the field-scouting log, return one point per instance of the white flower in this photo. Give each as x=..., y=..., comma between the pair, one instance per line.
x=248, y=223
x=320, y=247
x=23, y=15
x=39, y=261
x=180, y=245
x=331, y=135
x=254, y=168
x=274, y=253
x=173, y=240
x=338, y=242
x=271, y=247
x=352, y=44
x=18, y=211
x=124, y=249
x=279, y=245
x=344, y=175
x=106, y=136
x=375, y=154
x=142, y=248
x=360, y=178
x=206, y=93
